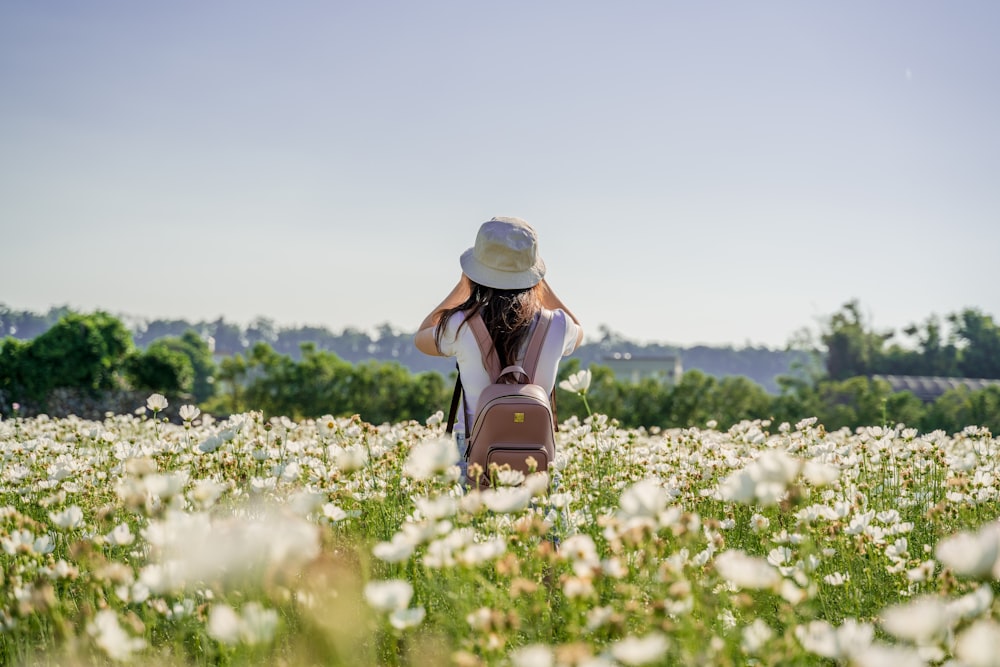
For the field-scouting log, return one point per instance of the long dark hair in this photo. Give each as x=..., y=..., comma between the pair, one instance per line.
x=507, y=313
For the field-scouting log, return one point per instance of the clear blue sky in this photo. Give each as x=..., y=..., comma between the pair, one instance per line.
x=698, y=172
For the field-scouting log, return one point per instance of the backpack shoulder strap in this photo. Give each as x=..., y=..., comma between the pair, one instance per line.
x=491, y=360
x=534, y=350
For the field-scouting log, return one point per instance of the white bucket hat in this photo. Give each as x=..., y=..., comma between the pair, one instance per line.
x=505, y=255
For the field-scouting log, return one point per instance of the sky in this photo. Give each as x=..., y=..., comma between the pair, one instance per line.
x=720, y=173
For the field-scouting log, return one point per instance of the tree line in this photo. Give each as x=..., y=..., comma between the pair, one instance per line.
x=92, y=353
x=387, y=343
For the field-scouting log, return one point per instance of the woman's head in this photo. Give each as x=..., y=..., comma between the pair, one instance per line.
x=505, y=256
x=504, y=271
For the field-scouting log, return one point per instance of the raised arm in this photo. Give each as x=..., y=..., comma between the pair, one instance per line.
x=424, y=340
x=549, y=300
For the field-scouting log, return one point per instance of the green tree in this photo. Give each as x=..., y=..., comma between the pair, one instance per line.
x=980, y=353
x=161, y=369
x=80, y=351
x=198, y=353
x=736, y=398
x=852, y=349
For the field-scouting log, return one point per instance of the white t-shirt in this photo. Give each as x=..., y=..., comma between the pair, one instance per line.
x=560, y=340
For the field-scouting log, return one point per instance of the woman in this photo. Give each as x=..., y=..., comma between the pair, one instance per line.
x=503, y=279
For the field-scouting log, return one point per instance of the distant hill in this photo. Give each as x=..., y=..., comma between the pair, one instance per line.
x=760, y=364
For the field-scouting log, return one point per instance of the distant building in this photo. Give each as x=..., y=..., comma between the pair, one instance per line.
x=928, y=388
x=633, y=368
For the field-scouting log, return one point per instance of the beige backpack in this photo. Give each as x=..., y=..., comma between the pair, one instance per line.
x=514, y=420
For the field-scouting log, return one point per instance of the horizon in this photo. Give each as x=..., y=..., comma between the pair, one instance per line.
x=132, y=320
x=697, y=176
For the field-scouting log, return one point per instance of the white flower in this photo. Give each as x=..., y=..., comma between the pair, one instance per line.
x=968, y=554
x=430, y=457
x=837, y=579
x=756, y=635
x=437, y=508
x=223, y=624
x=646, y=498
x=121, y=535
x=640, y=651
x=920, y=621
x=401, y=619
x=979, y=644
x=257, y=624
x=765, y=479
x=506, y=499
x=189, y=412
x=111, y=638
x=818, y=473
x=399, y=549
x=881, y=655
x=822, y=639
x=389, y=595
x=482, y=552
x=577, y=383
x=156, y=402
x=971, y=604
x=69, y=518
x=533, y=655
x=746, y=571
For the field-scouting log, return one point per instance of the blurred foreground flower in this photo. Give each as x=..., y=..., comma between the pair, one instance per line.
x=111, y=638
x=430, y=458
x=255, y=625
x=640, y=650
x=389, y=595
x=971, y=554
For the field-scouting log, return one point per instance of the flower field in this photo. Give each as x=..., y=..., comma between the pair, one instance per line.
x=336, y=542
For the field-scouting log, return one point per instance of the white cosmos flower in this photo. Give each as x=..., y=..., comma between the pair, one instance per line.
x=429, y=458
x=755, y=636
x=257, y=624
x=970, y=554
x=508, y=477
x=920, y=621
x=223, y=624
x=189, y=412
x=506, y=499
x=970, y=605
x=822, y=639
x=156, y=402
x=399, y=549
x=883, y=655
x=533, y=655
x=24, y=541
x=389, y=595
x=69, y=518
x=482, y=552
x=121, y=535
x=979, y=644
x=818, y=473
x=746, y=571
x=401, y=619
x=640, y=650
x=644, y=499
x=764, y=480
x=440, y=507
x=577, y=383
x=111, y=638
